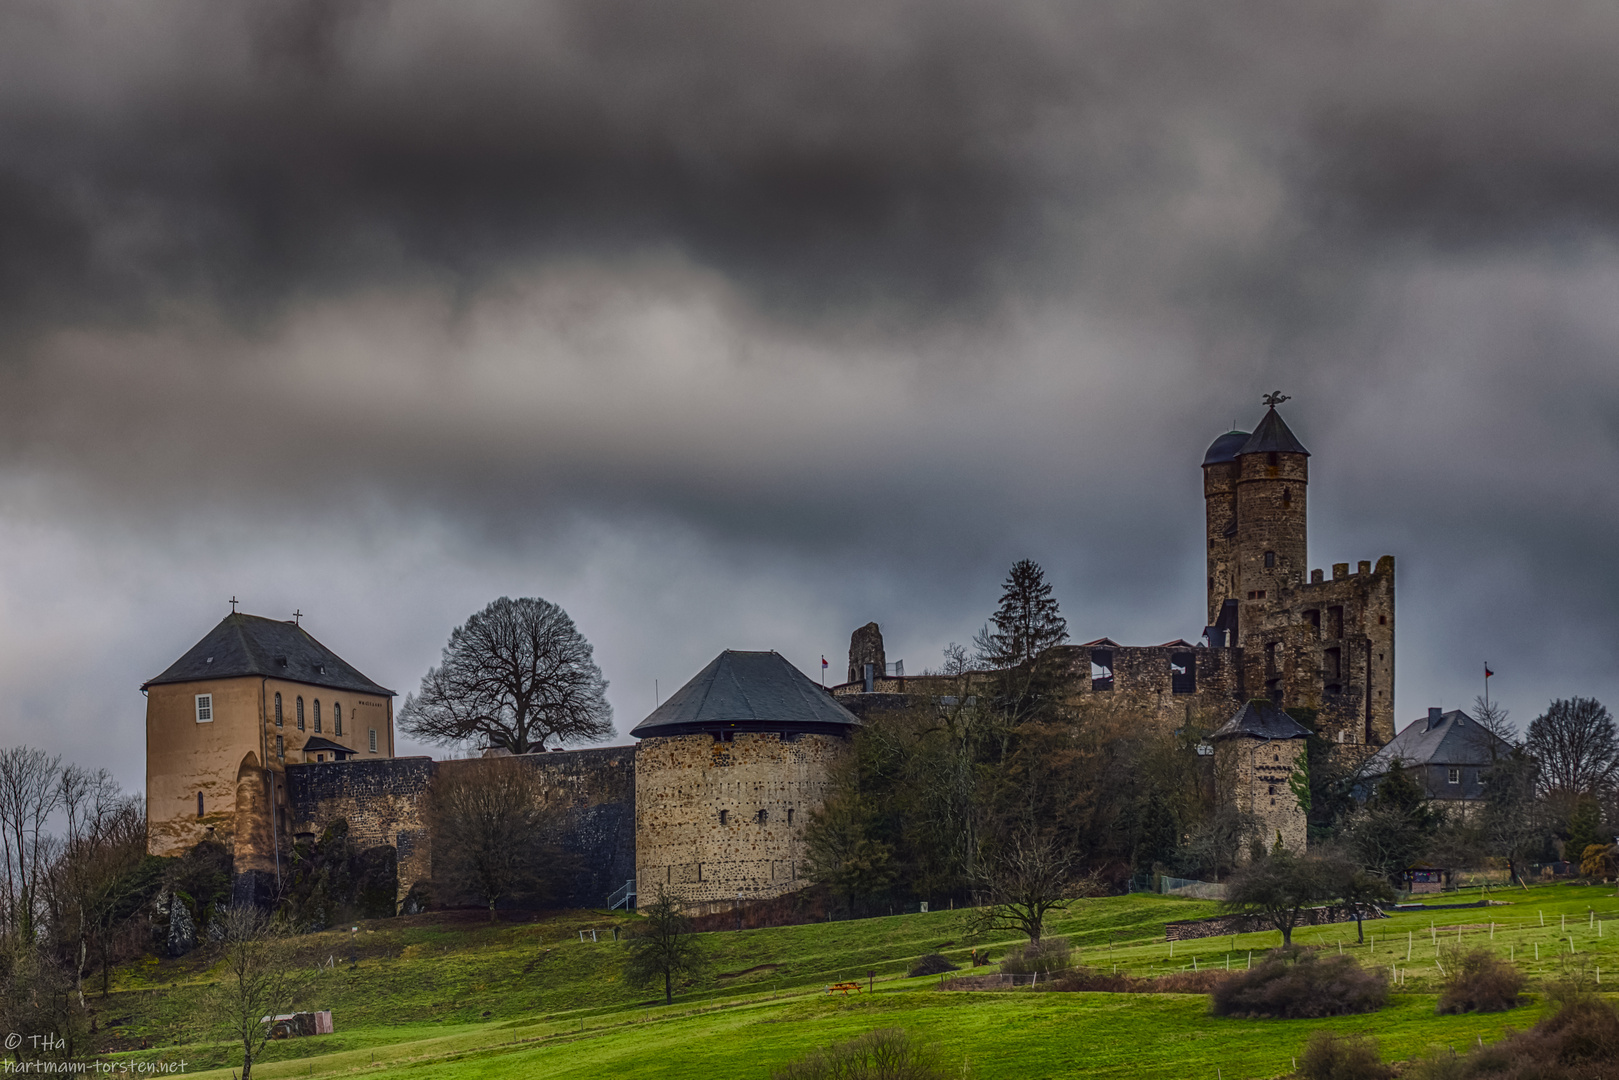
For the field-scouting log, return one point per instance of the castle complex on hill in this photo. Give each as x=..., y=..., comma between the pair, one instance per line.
x=713, y=799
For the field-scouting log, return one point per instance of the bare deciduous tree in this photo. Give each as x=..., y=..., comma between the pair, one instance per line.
x=1494, y=719
x=517, y=675
x=489, y=821
x=258, y=979
x=92, y=879
x=1576, y=745
x=1029, y=876
x=663, y=946
x=30, y=792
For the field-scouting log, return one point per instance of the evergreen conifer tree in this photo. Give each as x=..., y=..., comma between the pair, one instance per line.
x=1026, y=623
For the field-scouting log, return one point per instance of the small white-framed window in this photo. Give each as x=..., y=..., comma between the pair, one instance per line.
x=1454, y=776
x=373, y=740
x=205, y=708
x=337, y=718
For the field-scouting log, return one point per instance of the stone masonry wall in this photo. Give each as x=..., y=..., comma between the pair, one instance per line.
x=385, y=803
x=1328, y=645
x=764, y=784
x=1257, y=771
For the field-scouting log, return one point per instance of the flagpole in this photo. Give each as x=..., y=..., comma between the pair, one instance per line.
x=1486, y=685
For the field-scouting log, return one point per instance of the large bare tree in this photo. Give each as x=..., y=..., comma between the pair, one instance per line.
x=490, y=829
x=1576, y=746
x=30, y=792
x=519, y=674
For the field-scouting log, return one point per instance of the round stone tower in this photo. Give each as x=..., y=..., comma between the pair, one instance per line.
x=1220, y=512
x=727, y=772
x=1272, y=541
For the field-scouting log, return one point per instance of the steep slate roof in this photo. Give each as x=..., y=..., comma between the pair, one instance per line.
x=748, y=690
x=1272, y=436
x=250, y=645
x=1225, y=448
x=1457, y=739
x=1261, y=720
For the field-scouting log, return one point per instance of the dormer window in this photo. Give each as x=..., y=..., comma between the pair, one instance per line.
x=205, y=708
x=281, y=661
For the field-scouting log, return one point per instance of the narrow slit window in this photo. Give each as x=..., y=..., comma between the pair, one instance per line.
x=373, y=740
x=725, y=816
x=337, y=718
x=317, y=715
x=1270, y=560
x=278, y=709
x=789, y=815
x=205, y=708
x=299, y=709
x=280, y=747
x=199, y=804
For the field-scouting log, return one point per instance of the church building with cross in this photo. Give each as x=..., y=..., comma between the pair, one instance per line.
x=225, y=720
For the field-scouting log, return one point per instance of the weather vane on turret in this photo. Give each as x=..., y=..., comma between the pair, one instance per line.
x=1275, y=399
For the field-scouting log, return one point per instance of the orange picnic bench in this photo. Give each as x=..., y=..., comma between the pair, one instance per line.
x=845, y=987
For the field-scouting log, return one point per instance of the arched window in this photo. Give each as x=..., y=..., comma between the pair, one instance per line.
x=300, y=712
x=317, y=714
x=278, y=709
x=199, y=804
x=337, y=718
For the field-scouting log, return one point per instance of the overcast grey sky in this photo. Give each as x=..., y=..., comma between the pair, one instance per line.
x=737, y=325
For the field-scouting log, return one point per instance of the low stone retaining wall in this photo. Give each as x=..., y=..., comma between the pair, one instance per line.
x=1222, y=925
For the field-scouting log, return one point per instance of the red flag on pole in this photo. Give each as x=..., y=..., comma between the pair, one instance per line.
x=1487, y=671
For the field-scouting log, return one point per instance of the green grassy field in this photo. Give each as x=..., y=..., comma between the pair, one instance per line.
x=448, y=995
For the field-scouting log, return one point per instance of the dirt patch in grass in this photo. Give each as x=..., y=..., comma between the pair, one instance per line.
x=746, y=971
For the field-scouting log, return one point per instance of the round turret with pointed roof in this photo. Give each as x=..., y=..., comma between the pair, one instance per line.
x=1272, y=436
x=748, y=691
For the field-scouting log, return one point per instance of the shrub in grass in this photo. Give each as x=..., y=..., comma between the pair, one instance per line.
x=1580, y=1041
x=1043, y=956
x=1342, y=1057
x=931, y=964
x=1480, y=981
x=885, y=1054
x=1300, y=984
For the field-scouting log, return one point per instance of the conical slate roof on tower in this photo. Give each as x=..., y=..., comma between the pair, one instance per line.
x=1272, y=436
x=748, y=691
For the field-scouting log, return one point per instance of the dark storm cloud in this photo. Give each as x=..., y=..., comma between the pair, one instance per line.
x=740, y=324
x=930, y=156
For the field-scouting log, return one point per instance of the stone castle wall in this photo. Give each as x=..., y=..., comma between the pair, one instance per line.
x=1256, y=772
x=715, y=819
x=385, y=803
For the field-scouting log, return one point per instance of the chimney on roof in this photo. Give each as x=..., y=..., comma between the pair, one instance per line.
x=1435, y=718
